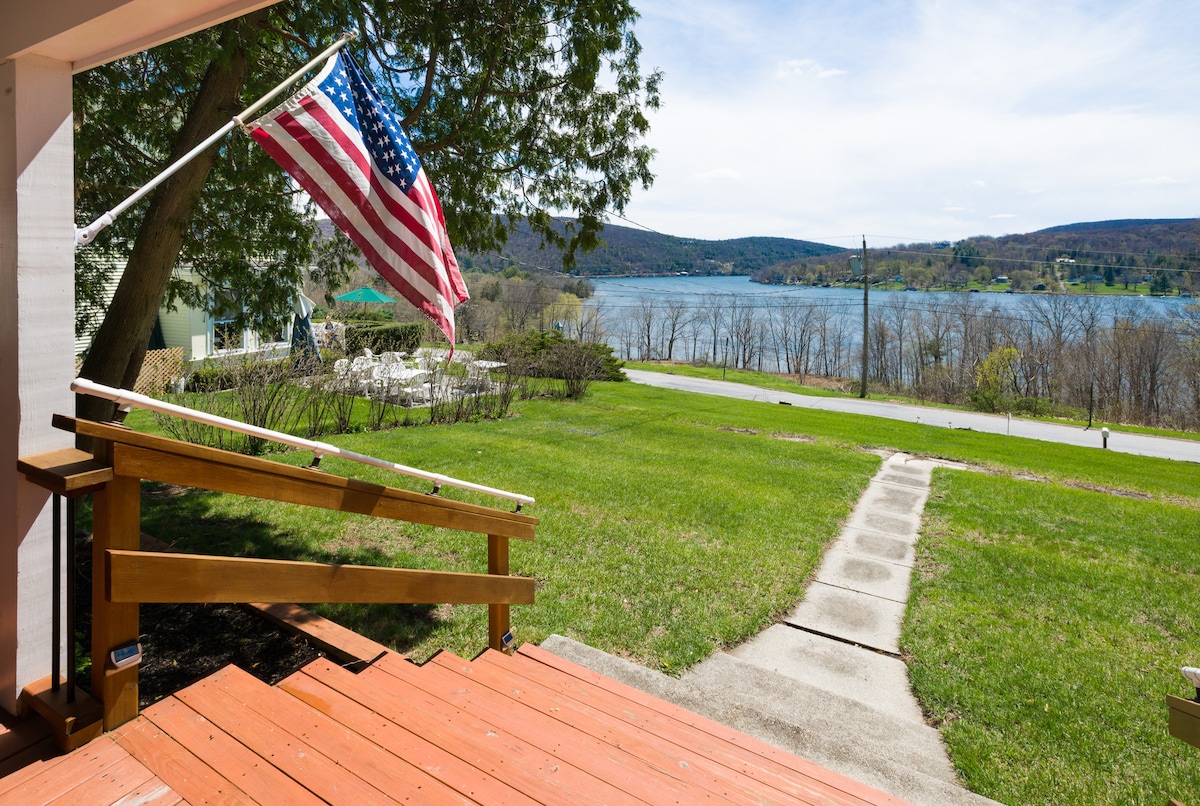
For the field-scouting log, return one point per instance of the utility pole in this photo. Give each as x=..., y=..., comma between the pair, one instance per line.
x=866, y=320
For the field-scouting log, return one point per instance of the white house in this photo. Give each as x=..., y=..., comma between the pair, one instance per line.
x=199, y=333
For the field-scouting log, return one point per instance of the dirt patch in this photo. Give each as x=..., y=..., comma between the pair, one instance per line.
x=794, y=438
x=751, y=431
x=1095, y=488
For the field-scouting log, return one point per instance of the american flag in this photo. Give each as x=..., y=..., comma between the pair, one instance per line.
x=346, y=149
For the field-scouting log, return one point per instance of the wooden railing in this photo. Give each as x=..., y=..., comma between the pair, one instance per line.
x=124, y=576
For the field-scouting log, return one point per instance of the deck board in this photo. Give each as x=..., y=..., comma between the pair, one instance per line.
x=180, y=768
x=638, y=767
x=401, y=742
x=259, y=779
x=363, y=759
x=125, y=778
x=493, y=748
x=828, y=779
x=318, y=773
x=672, y=752
x=571, y=749
x=532, y=728
x=729, y=759
x=56, y=777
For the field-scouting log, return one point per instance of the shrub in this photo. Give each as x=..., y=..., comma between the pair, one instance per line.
x=546, y=354
x=209, y=376
x=251, y=389
x=384, y=338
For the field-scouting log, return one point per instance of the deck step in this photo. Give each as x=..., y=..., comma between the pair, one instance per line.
x=532, y=728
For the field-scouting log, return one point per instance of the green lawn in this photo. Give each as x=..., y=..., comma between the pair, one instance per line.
x=1045, y=627
x=1049, y=616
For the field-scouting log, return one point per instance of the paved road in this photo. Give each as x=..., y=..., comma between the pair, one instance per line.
x=1141, y=445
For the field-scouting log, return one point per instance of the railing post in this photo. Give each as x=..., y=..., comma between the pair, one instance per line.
x=499, y=616
x=116, y=525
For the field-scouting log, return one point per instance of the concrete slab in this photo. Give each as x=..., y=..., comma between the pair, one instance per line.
x=864, y=574
x=825, y=716
x=893, y=499
x=879, y=546
x=859, y=674
x=889, y=475
x=890, y=525
x=850, y=615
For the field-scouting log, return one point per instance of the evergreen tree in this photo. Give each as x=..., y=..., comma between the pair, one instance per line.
x=516, y=108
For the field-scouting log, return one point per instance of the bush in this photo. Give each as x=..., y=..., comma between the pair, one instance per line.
x=533, y=350
x=390, y=337
x=209, y=376
x=546, y=354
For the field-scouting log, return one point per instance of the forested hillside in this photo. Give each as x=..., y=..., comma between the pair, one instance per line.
x=628, y=251
x=1105, y=252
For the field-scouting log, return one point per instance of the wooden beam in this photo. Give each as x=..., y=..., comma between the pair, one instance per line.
x=143, y=576
x=115, y=525
x=316, y=491
x=69, y=472
x=499, y=615
x=1183, y=719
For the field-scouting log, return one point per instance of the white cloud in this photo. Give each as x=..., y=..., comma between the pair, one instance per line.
x=806, y=68
x=717, y=176
x=941, y=111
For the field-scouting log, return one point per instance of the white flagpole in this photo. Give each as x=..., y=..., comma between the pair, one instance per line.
x=125, y=398
x=85, y=235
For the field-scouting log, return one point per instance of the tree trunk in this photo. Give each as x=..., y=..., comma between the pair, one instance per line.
x=116, y=355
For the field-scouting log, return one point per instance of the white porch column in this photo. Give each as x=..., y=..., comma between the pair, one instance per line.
x=37, y=312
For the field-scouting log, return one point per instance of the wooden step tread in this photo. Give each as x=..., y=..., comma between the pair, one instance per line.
x=531, y=728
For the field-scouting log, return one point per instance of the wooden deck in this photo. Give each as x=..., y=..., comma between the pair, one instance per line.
x=531, y=728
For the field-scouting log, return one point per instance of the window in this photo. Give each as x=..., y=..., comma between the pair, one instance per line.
x=226, y=334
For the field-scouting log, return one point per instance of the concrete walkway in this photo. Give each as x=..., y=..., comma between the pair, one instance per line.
x=828, y=683
x=1138, y=444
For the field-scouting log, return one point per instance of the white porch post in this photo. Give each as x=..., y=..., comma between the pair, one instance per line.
x=37, y=312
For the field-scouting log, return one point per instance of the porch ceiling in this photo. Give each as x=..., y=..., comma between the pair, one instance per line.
x=87, y=33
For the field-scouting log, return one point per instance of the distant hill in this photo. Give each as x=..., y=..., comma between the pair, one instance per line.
x=628, y=251
x=1125, y=250
x=1123, y=247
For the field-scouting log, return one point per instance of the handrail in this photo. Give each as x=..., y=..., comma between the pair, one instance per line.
x=126, y=398
x=126, y=576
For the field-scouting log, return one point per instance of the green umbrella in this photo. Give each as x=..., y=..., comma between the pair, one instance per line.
x=364, y=294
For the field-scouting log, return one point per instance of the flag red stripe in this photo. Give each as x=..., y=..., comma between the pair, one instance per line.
x=340, y=143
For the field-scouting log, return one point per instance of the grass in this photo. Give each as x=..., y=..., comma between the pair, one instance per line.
x=662, y=535
x=1045, y=627
x=1047, y=621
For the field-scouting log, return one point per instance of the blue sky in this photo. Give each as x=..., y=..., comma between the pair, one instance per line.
x=918, y=120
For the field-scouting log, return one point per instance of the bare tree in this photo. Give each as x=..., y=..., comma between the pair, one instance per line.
x=677, y=313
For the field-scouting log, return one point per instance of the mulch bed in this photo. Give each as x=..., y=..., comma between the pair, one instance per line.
x=183, y=643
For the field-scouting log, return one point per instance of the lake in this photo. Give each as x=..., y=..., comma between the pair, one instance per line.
x=840, y=308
